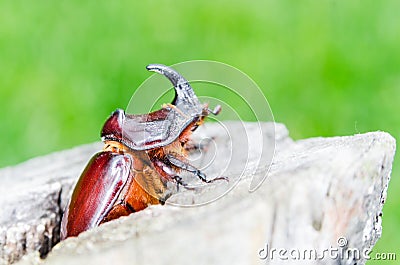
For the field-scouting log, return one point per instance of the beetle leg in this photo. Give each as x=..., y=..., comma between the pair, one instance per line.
x=179, y=181
x=192, y=169
x=161, y=166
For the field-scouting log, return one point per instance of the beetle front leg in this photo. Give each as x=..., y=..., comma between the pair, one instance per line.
x=179, y=181
x=192, y=169
x=164, y=169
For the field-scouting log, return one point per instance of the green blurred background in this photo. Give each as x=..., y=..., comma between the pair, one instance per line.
x=327, y=67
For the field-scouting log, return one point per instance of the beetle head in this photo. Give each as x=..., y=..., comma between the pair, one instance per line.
x=162, y=127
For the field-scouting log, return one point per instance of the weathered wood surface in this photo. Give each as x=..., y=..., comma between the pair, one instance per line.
x=317, y=191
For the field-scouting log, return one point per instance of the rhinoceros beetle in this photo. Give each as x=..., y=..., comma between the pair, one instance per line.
x=142, y=154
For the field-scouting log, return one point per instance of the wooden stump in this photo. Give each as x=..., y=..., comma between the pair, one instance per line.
x=319, y=193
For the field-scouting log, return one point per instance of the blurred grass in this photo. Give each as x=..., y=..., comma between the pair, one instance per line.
x=327, y=67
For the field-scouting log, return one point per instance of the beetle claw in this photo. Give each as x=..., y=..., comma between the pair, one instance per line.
x=179, y=181
x=203, y=177
x=188, y=167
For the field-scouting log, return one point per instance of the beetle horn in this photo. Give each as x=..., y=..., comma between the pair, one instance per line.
x=184, y=93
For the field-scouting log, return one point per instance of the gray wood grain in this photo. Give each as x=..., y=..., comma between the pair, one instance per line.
x=317, y=191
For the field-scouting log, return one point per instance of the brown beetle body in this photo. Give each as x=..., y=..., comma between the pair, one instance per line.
x=142, y=154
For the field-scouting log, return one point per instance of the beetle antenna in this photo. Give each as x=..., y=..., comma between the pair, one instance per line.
x=184, y=93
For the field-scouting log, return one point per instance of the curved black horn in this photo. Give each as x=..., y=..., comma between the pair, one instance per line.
x=183, y=91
